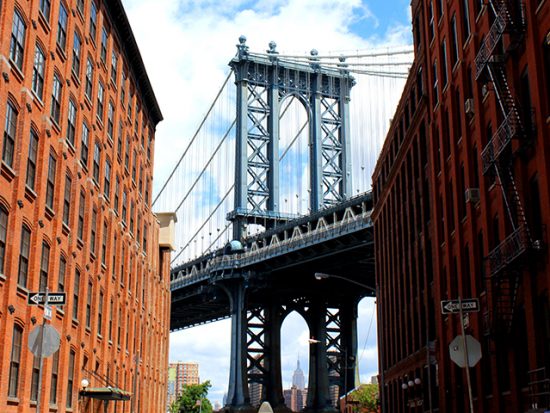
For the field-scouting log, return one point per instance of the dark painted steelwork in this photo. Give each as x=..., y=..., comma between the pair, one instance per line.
x=262, y=83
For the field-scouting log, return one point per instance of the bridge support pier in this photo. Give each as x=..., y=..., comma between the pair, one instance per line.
x=238, y=399
x=318, y=396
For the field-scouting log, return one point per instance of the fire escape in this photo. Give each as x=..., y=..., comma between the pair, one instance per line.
x=505, y=261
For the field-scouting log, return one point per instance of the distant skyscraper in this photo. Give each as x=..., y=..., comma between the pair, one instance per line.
x=179, y=375
x=298, y=379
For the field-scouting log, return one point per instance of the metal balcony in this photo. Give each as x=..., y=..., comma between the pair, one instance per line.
x=491, y=40
x=509, y=250
x=509, y=129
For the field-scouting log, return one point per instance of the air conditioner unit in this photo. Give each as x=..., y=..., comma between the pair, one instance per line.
x=472, y=195
x=469, y=107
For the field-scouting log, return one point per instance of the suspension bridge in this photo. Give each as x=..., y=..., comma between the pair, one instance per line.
x=273, y=189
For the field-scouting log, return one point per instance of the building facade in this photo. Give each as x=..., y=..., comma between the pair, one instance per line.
x=181, y=374
x=462, y=210
x=78, y=120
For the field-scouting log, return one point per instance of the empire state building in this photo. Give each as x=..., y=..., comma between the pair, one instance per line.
x=298, y=379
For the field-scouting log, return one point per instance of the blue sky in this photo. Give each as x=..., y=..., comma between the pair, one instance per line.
x=186, y=45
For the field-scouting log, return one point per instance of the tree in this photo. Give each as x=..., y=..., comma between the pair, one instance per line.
x=367, y=397
x=192, y=399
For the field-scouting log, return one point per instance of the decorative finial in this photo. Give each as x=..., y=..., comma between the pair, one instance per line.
x=314, y=59
x=272, y=47
x=242, y=47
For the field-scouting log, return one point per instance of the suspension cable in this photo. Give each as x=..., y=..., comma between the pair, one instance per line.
x=194, y=137
x=346, y=56
x=206, y=166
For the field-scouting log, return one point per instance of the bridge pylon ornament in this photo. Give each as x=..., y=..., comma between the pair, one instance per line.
x=263, y=80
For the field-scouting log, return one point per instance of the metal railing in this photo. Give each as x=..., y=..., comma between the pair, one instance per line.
x=507, y=130
x=512, y=247
x=491, y=40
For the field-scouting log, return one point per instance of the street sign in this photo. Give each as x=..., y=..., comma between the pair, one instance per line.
x=469, y=305
x=47, y=312
x=53, y=298
x=47, y=335
x=457, y=351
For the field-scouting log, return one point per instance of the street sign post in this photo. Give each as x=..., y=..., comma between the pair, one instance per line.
x=35, y=298
x=468, y=305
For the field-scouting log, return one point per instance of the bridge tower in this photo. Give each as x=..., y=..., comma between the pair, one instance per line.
x=263, y=82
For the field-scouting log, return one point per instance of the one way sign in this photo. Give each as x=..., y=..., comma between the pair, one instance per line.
x=468, y=305
x=53, y=298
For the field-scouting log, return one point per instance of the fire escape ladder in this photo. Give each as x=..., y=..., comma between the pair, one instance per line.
x=505, y=294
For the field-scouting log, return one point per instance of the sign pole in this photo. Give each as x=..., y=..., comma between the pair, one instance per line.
x=466, y=361
x=40, y=359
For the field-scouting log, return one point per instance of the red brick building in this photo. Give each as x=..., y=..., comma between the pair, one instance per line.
x=462, y=209
x=78, y=120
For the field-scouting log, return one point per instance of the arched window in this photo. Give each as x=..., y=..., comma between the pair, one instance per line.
x=15, y=361
x=17, y=42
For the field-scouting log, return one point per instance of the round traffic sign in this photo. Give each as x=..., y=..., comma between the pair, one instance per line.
x=51, y=340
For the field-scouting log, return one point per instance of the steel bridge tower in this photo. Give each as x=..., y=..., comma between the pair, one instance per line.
x=263, y=82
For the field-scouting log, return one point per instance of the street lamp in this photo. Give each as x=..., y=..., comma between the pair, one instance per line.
x=321, y=276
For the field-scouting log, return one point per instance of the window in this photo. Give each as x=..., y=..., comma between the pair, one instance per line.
x=435, y=88
x=117, y=185
x=104, y=36
x=89, y=78
x=113, y=254
x=104, y=244
x=145, y=238
x=119, y=140
x=466, y=20
x=114, y=64
x=93, y=20
x=44, y=264
x=76, y=288
x=17, y=42
x=50, y=184
x=454, y=42
x=53, y=381
x=431, y=20
x=70, y=379
x=100, y=313
x=107, y=179
x=24, y=252
x=134, y=166
x=9, y=134
x=94, y=231
x=15, y=361
x=3, y=234
x=31, y=160
x=147, y=191
x=62, y=27
x=97, y=160
x=81, y=212
x=38, y=72
x=100, y=98
x=84, y=145
x=546, y=53
x=45, y=9
x=76, y=54
x=80, y=6
x=124, y=206
x=61, y=275
x=110, y=111
x=56, y=99
x=132, y=209
x=444, y=63
x=111, y=309
x=71, y=123
x=119, y=327
x=127, y=154
x=123, y=88
x=67, y=200
x=34, y=378
x=89, y=305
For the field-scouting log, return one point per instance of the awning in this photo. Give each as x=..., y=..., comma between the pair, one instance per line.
x=106, y=393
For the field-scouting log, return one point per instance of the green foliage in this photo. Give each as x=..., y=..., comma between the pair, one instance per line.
x=190, y=397
x=367, y=397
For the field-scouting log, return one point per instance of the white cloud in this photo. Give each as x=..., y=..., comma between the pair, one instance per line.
x=186, y=46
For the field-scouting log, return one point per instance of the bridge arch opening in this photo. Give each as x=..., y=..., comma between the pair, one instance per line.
x=294, y=156
x=367, y=341
x=295, y=359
